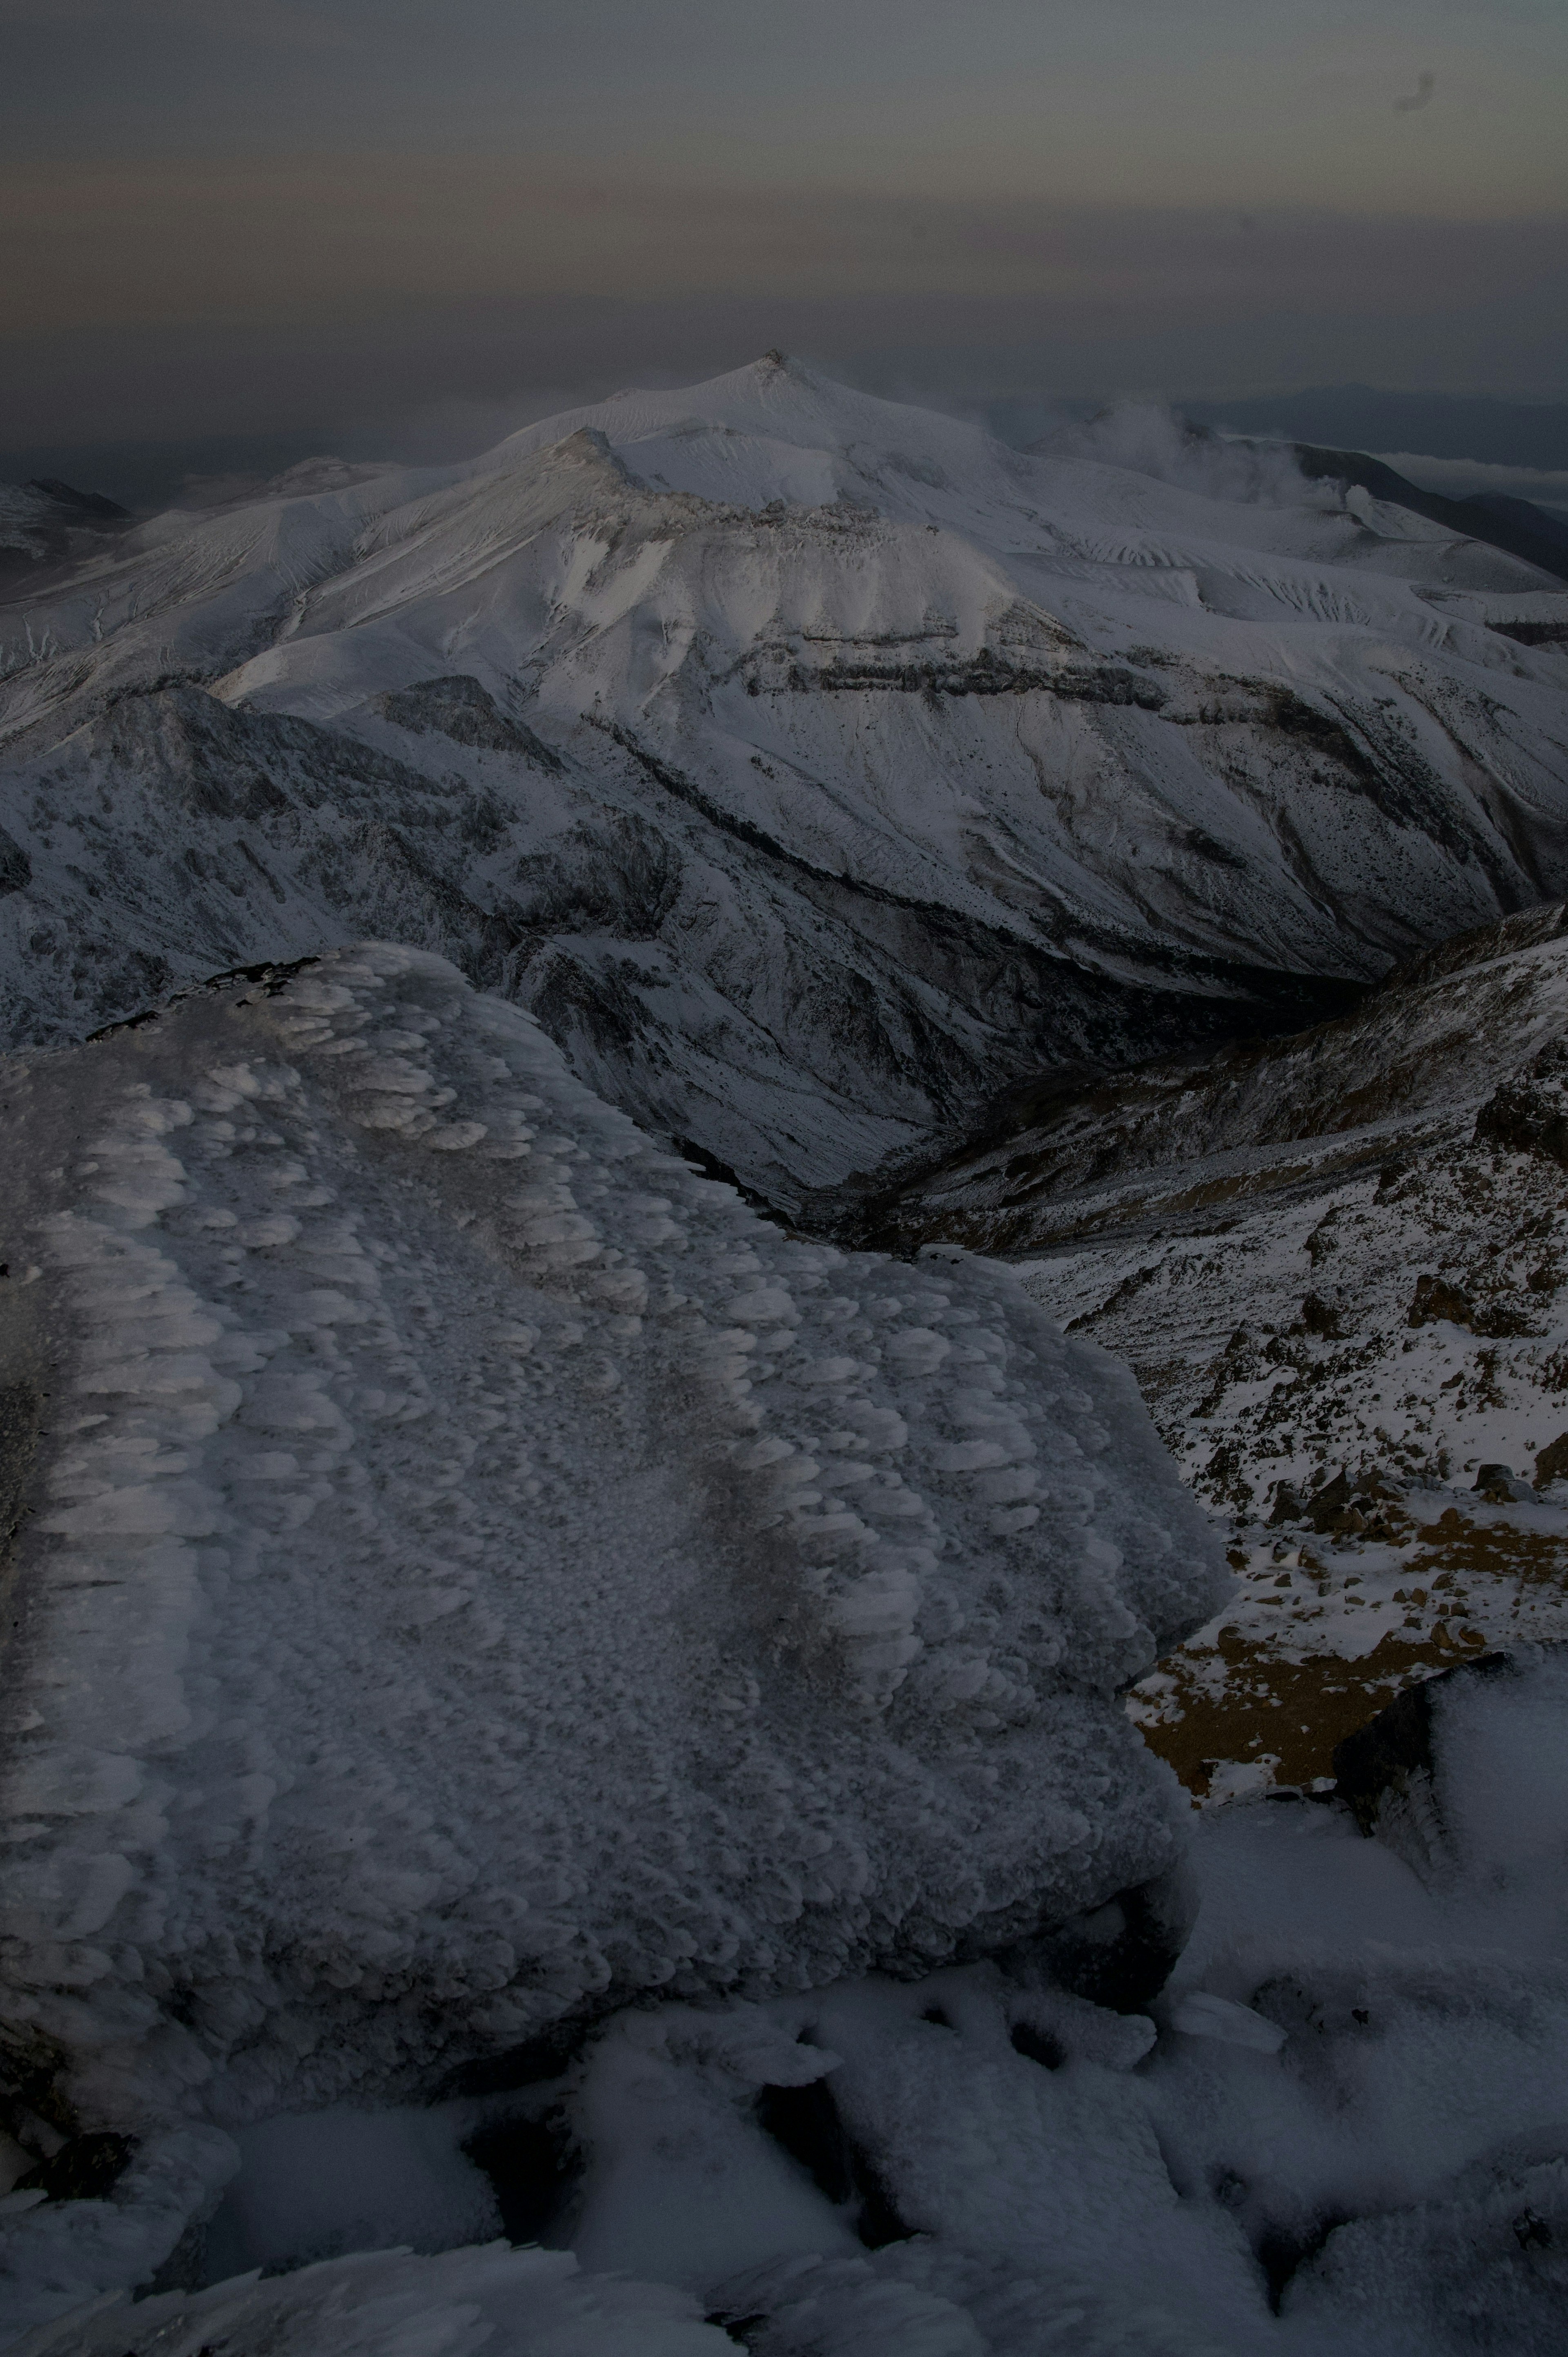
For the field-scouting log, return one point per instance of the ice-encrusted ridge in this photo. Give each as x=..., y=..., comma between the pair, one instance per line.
x=483, y=1565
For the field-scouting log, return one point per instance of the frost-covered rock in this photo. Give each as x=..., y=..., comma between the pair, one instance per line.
x=1465, y=1777
x=57, y=2254
x=474, y=1570
x=1481, y=2274
x=1341, y=2134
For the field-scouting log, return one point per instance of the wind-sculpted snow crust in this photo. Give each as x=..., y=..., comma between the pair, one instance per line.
x=476, y=1571
x=1337, y=2130
x=510, y=2303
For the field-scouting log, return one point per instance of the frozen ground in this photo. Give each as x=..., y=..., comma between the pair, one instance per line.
x=1336, y=1264
x=544, y=1709
x=606, y=1826
x=1336, y=2130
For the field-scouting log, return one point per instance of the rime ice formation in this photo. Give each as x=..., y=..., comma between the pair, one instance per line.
x=475, y=1569
x=508, y=2303
x=1339, y=2130
x=812, y=765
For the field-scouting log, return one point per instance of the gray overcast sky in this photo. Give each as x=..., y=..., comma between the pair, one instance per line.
x=292, y=212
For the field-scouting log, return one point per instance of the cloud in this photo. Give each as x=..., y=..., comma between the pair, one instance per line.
x=317, y=294
x=131, y=245
x=1463, y=479
x=1148, y=438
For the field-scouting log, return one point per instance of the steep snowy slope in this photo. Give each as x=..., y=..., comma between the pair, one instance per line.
x=44, y=526
x=812, y=765
x=1340, y=1247
x=469, y=1569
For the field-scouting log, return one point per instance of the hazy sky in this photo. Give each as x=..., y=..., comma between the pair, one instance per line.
x=252, y=214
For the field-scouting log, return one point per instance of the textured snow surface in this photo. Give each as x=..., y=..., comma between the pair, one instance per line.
x=508, y=2303
x=1339, y=2130
x=478, y=1570
x=812, y=764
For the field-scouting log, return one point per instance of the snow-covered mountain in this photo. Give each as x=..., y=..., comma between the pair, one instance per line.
x=539, y=1703
x=46, y=526
x=811, y=765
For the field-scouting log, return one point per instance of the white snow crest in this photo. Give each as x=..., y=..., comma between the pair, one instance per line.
x=1051, y=710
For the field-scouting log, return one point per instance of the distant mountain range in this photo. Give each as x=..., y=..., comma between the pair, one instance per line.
x=147, y=475
x=45, y=524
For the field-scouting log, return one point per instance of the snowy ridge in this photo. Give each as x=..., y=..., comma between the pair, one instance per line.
x=1271, y=1117
x=822, y=766
x=480, y=1568
x=1339, y=1264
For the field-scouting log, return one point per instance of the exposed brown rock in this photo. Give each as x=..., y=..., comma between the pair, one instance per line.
x=1436, y=1298
x=1551, y=1462
x=1288, y=1507
x=1528, y=1114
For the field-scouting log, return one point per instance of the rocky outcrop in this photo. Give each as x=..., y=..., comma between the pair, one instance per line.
x=459, y=707
x=472, y=1571
x=1528, y=1114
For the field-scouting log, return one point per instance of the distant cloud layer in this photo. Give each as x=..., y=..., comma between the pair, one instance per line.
x=1463, y=479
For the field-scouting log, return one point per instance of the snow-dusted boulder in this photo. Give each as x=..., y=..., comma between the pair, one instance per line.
x=472, y=1570
x=1465, y=1777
